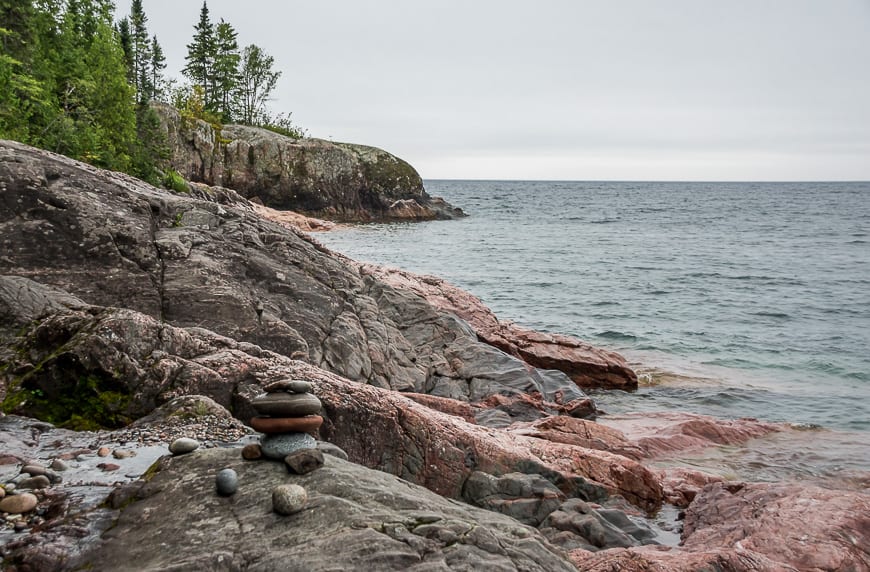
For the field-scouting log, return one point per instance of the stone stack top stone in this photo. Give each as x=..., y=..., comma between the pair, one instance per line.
x=290, y=386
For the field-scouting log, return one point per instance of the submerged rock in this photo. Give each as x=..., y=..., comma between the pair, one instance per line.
x=18, y=504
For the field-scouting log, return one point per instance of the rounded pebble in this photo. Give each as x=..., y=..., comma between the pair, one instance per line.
x=279, y=445
x=226, y=482
x=59, y=465
x=288, y=499
x=252, y=452
x=2, y=492
x=33, y=470
x=103, y=452
x=183, y=446
x=37, y=482
x=18, y=504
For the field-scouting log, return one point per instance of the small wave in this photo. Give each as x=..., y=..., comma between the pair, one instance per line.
x=614, y=335
x=857, y=242
x=604, y=221
x=779, y=315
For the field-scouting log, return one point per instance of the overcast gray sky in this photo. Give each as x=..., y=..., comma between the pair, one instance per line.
x=569, y=89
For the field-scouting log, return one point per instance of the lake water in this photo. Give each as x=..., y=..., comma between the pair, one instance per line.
x=729, y=299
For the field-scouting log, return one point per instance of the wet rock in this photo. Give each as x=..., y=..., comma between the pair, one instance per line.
x=288, y=499
x=19, y=504
x=278, y=446
x=108, y=467
x=33, y=470
x=122, y=454
x=578, y=518
x=252, y=452
x=226, y=482
x=183, y=446
x=304, y=461
x=59, y=465
x=37, y=482
x=103, y=452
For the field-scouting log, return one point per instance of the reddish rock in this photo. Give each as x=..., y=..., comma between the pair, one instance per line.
x=682, y=485
x=580, y=432
x=9, y=460
x=287, y=424
x=304, y=461
x=103, y=452
x=661, y=434
x=252, y=452
x=757, y=527
x=107, y=467
x=446, y=405
x=587, y=365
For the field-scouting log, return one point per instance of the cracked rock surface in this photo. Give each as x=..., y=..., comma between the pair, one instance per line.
x=208, y=260
x=355, y=519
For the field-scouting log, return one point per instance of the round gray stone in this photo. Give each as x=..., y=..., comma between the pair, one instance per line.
x=59, y=465
x=279, y=445
x=226, y=482
x=183, y=445
x=288, y=499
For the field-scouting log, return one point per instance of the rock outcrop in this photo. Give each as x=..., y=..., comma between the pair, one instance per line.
x=210, y=261
x=113, y=365
x=588, y=366
x=339, y=181
x=355, y=519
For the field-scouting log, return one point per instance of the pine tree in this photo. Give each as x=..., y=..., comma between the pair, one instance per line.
x=141, y=44
x=257, y=80
x=225, y=71
x=200, y=54
x=158, y=64
x=126, y=40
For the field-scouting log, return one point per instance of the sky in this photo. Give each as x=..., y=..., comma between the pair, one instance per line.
x=770, y=90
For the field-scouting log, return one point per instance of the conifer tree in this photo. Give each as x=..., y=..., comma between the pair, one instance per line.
x=158, y=64
x=225, y=71
x=141, y=45
x=200, y=54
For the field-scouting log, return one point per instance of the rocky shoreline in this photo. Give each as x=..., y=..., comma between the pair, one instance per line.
x=139, y=316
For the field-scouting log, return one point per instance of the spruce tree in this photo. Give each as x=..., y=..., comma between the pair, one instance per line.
x=225, y=71
x=200, y=54
x=141, y=52
x=158, y=64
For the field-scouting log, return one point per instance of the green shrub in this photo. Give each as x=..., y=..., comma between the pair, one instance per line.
x=173, y=181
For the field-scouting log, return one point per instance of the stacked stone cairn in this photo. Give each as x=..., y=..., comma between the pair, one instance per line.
x=287, y=414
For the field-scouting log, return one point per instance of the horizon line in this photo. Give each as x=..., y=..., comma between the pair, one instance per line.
x=776, y=181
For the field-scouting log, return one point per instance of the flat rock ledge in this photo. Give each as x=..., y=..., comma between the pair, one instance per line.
x=355, y=519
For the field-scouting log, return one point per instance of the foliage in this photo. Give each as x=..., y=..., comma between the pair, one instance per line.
x=173, y=181
x=257, y=80
x=200, y=54
x=283, y=125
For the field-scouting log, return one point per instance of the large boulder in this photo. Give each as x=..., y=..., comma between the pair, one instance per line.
x=336, y=180
x=207, y=259
x=355, y=519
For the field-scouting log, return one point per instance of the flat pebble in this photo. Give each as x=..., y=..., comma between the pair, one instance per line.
x=288, y=499
x=226, y=482
x=33, y=470
x=123, y=454
x=304, y=461
x=18, y=504
x=183, y=446
x=292, y=386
